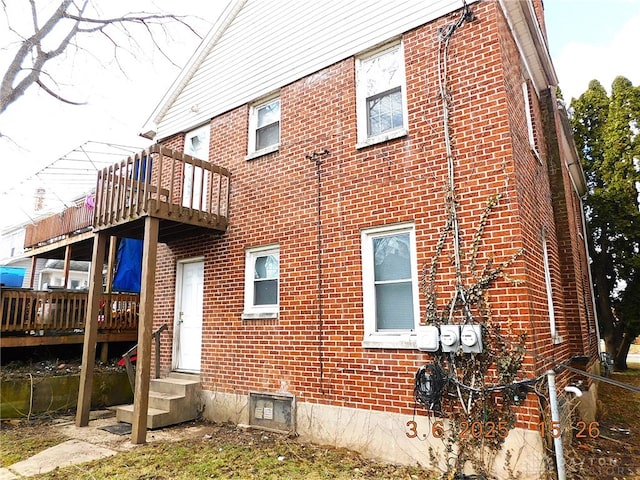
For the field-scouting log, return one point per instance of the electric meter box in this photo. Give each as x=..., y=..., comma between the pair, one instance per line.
x=428, y=338
x=471, y=338
x=450, y=337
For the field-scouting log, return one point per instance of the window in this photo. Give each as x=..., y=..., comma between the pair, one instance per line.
x=390, y=289
x=262, y=278
x=547, y=282
x=264, y=127
x=196, y=144
x=531, y=126
x=381, y=95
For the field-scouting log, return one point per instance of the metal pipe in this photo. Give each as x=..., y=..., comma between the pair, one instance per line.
x=555, y=420
x=575, y=390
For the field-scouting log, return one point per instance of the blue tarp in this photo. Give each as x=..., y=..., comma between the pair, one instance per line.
x=12, y=276
x=140, y=174
x=128, y=272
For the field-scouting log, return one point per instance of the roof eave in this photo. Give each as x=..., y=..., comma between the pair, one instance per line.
x=530, y=41
x=572, y=159
x=150, y=127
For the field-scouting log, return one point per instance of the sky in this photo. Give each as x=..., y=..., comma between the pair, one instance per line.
x=593, y=39
x=588, y=39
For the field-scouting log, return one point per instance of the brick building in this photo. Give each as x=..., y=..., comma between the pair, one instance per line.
x=393, y=166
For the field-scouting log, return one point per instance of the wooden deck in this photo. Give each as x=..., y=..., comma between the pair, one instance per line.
x=72, y=221
x=185, y=193
x=31, y=317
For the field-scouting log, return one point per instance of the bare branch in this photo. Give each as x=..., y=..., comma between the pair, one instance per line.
x=57, y=96
x=28, y=63
x=10, y=93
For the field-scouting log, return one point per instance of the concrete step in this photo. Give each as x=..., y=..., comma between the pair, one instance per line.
x=175, y=386
x=165, y=401
x=172, y=400
x=185, y=376
x=156, y=418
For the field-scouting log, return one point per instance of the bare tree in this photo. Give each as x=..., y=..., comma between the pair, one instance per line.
x=61, y=31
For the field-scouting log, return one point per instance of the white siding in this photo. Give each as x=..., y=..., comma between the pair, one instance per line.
x=269, y=44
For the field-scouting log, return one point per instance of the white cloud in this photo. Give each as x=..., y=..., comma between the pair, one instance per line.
x=579, y=63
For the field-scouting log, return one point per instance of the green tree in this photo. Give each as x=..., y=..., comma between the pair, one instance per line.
x=607, y=134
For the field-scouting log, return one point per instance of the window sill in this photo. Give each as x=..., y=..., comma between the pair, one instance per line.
x=263, y=152
x=259, y=315
x=406, y=341
x=536, y=153
x=401, y=132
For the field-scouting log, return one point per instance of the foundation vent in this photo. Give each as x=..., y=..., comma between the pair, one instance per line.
x=272, y=411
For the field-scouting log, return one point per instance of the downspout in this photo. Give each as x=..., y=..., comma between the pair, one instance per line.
x=555, y=420
x=591, y=290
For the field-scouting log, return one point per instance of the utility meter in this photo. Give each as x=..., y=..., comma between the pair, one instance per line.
x=471, y=338
x=428, y=338
x=450, y=337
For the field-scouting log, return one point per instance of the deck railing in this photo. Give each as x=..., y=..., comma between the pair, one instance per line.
x=71, y=220
x=57, y=312
x=163, y=183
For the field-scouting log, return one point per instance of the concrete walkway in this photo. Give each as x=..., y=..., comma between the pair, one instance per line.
x=71, y=452
x=90, y=443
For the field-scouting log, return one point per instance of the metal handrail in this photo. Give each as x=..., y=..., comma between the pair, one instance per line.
x=131, y=373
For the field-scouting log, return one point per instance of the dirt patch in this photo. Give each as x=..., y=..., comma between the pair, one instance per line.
x=48, y=368
x=613, y=450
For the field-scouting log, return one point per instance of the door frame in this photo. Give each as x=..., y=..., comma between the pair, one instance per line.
x=177, y=302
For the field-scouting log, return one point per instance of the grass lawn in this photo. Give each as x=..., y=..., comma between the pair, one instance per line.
x=223, y=452
x=228, y=452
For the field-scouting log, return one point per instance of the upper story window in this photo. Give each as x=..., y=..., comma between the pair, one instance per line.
x=528, y=92
x=390, y=286
x=264, y=126
x=555, y=338
x=381, y=95
x=262, y=278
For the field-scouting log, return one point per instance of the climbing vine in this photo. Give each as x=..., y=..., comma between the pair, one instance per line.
x=480, y=390
x=474, y=393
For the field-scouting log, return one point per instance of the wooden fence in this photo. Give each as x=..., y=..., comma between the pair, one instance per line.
x=72, y=220
x=166, y=184
x=45, y=313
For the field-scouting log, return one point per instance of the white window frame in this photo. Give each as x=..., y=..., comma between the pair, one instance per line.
x=252, y=311
x=555, y=338
x=528, y=108
x=404, y=339
x=204, y=133
x=253, y=127
x=364, y=139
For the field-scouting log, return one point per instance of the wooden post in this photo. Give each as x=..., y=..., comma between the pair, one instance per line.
x=104, y=352
x=111, y=262
x=67, y=266
x=91, y=330
x=111, y=267
x=145, y=331
x=34, y=265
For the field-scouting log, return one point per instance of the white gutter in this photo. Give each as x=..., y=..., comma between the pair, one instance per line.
x=530, y=41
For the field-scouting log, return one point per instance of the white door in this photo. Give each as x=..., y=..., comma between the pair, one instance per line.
x=197, y=145
x=187, y=338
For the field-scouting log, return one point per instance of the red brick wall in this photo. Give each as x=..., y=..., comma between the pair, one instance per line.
x=274, y=200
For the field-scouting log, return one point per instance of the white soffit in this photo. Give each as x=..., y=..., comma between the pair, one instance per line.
x=531, y=42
